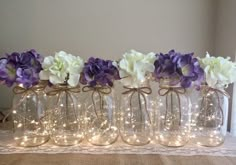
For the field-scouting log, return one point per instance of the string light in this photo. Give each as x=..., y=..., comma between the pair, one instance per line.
x=28, y=119
x=207, y=120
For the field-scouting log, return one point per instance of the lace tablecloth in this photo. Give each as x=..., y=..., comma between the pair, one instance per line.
x=7, y=146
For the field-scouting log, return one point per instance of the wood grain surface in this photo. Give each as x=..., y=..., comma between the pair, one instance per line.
x=85, y=159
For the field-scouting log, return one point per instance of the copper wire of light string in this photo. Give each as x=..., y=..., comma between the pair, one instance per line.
x=216, y=91
x=164, y=91
x=100, y=90
x=24, y=91
x=57, y=90
x=141, y=92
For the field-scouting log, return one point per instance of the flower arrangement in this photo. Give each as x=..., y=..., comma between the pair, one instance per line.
x=28, y=69
x=134, y=67
x=62, y=68
x=183, y=69
x=219, y=71
x=99, y=72
x=21, y=68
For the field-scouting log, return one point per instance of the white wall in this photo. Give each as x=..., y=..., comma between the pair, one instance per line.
x=105, y=28
x=225, y=35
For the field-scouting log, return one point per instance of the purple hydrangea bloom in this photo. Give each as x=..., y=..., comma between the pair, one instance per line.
x=181, y=69
x=7, y=72
x=26, y=59
x=99, y=72
x=27, y=77
x=21, y=68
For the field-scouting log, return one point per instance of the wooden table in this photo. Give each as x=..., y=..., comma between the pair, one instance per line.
x=85, y=159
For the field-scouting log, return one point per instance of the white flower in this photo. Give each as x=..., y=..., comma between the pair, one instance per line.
x=56, y=69
x=219, y=71
x=134, y=66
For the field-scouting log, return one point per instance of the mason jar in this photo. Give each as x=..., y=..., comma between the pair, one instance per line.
x=135, y=115
x=101, y=112
x=66, y=115
x=29, y=116
x=208, y=119
x=174, y=115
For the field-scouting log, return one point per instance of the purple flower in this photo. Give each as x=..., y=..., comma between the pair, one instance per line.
x=166, y=67
x=26, y=59
x=191, y=71
x=99, y=72
x=27, y=77
x=21, y=68
x=179, y=68
x=7, y=72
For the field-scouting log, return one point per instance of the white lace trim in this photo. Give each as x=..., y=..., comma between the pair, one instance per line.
x=7, y=146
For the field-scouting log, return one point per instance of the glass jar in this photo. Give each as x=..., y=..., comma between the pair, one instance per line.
x=29, y=116
x=174, y=109
x=101, y=124
x=209, y=117
x=135, y=117
x=66, y=115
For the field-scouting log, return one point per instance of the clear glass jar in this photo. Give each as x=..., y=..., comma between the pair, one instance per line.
x=101, y=123
x=66, y=115
x=174, y=108
x=29, y=116
x=208, y=119
x=135, y=115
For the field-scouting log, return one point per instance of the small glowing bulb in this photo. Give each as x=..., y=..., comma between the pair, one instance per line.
x=19, y=125
x=25, y=138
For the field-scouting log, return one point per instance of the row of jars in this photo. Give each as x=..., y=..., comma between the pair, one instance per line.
x=69, y=115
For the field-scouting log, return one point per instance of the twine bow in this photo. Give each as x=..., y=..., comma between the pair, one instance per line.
x=100, y=90
x=164, y=91
x=217, y=92
x=34, y=89
x=141, y=92
x=59, y=89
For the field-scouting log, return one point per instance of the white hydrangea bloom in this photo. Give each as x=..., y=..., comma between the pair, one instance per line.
x=134, y=67
x=56, y=69
x=219, y=71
